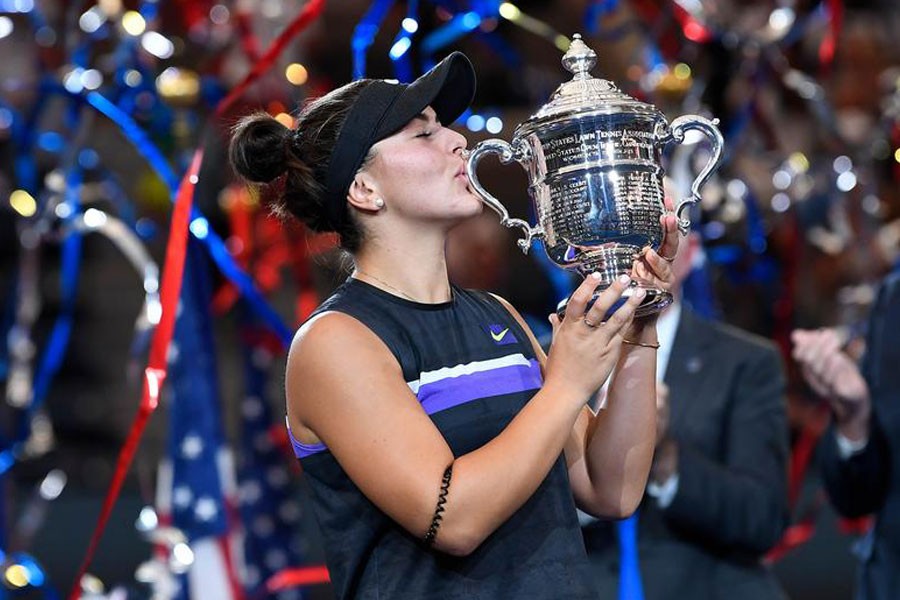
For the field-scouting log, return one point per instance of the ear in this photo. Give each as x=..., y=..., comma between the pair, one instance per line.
x=363, y=193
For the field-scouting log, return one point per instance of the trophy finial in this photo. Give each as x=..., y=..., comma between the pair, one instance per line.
x=579, y=59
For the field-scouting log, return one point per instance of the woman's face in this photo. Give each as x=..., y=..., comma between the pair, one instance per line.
x=420, y=172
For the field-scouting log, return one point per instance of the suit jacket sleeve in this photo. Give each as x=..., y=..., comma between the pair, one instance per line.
x=740, y=505
x=858, y=485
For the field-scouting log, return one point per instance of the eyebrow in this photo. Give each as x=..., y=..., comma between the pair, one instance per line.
x=423, y=117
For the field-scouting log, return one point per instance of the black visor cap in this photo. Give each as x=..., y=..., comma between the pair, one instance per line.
x=384, y=108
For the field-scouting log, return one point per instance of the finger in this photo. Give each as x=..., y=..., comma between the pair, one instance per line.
x=799, y=336
x=804, y=346
x=825, y=346
x=607, y=299
x=836, y=368
x=818, y=386
x=639, y=271
x=580, y=298
x=660, y=268
x=644, y=275
x=831, y=340
x=668, y=203
x=623, y=315
x=554, y=323
x=820, y=355
x=669, y=245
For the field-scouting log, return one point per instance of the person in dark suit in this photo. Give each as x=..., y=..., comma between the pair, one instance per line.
x=860, y=454
x=717, y=498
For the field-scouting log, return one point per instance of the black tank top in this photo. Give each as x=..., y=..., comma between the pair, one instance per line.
x=472, y=368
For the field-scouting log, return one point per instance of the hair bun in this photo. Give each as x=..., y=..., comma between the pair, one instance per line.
x=257, y=150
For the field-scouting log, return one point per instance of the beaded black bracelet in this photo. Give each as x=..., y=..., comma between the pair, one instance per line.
x=439, y=509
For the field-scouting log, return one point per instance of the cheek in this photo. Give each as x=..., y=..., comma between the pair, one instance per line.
x=414, y=174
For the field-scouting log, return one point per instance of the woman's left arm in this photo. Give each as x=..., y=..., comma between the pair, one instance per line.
x=609, y=453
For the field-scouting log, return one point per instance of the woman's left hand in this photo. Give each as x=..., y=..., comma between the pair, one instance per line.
x=653, y=268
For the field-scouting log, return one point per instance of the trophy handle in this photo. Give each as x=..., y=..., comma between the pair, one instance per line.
x=676, y=135
x=506, y=154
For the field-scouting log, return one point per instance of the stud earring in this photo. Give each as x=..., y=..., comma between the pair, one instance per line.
x=379, y=203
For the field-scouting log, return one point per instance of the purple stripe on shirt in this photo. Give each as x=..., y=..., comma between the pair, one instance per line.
x=302, y=450
x=454, y=391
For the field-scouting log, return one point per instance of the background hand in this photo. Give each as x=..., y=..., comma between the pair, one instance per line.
x=833, y=375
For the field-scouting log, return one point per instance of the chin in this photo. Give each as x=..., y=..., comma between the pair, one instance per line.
x=474, y=201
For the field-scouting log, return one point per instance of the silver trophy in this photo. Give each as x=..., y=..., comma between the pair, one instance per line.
x=592, y=155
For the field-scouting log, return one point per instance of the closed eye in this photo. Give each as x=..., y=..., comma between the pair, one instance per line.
x=424, y=134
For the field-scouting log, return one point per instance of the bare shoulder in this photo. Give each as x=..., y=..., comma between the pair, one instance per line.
x=328, y=353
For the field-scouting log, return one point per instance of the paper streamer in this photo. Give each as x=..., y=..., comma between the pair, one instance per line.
x=155, y=373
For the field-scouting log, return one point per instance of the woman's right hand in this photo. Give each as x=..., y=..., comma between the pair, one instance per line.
x=585, y=348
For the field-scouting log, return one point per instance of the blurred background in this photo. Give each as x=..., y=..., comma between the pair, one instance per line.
x=102, y=108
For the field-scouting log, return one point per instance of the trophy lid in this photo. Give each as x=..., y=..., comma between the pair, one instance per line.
x=585, y=93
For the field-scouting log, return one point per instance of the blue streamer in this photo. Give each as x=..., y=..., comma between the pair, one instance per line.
x=220, y=255
x=399, y=53
x=24, y=163
x=596, y=11
x=630, y=587
x=55, y=350
x=458, y=26
x=213, y=243
x=496, y=43
x=125, y=208
x=364, y=34
x=71, y=254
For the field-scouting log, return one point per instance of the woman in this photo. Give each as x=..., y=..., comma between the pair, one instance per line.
x=443, y=449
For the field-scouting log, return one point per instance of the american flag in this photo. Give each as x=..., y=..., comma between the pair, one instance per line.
x=196, y=490
x=268, y=494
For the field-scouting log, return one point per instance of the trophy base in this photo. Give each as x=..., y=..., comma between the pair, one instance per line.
x=655, y=300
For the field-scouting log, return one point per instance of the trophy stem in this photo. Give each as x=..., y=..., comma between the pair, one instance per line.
x=610, y=263
x=655, y=301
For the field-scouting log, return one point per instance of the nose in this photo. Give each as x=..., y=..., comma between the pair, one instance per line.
x=458, y=142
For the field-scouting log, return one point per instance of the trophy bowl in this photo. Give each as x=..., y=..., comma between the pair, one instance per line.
x=593, y=159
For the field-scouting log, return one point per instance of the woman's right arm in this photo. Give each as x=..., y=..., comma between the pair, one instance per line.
x=346, y=387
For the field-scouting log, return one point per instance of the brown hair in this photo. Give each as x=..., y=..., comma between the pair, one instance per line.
x=262, y=150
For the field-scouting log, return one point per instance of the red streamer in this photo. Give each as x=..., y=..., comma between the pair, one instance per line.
x=173, y=272
x=794, y=537
x=309, y=13
x=828, y=46
x=693, y=29
x=290, y=578
x=155, y=373
x=249, y=42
